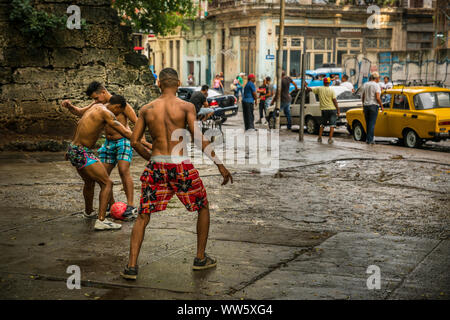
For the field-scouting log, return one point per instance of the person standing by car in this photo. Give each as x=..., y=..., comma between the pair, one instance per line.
x=249, y=99
x=371, y=100
x=285, y=97
x=386, y=98
x=347, y=84
x=198, y=99
x=328, y=107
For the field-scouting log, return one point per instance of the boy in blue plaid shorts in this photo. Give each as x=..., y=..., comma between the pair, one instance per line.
x=116, y=150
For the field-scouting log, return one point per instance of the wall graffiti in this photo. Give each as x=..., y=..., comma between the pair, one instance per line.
x=412, y=68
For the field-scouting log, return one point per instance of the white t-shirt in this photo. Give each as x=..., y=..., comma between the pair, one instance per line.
x=370, y=90
x=347, y=85
x=385, y=85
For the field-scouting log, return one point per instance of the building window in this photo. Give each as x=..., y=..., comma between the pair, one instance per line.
x=355, y=43
x=419, y=40
x=370, y=43
x=284, y=42
x=295, y=56
x=342, y=43
x=385, y=43
x=319, y=44
x=347, y=46
x=296, y=42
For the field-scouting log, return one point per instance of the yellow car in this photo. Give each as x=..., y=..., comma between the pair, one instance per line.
x=414, y=115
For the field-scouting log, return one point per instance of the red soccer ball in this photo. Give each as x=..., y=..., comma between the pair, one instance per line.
x=118, y=209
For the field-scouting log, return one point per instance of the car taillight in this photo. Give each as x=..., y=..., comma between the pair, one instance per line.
x=235, y=100
x=444, y=123
x=213, y=103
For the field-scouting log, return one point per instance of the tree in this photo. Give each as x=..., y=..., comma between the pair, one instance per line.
x=155, y=16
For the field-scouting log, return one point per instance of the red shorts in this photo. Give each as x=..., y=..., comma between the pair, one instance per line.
x=160, y=181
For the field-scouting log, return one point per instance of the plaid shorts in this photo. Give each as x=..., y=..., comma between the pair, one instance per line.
x=114, y=150
x=160, y=181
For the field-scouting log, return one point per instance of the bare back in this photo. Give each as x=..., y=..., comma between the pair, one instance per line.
x=162, y=117
x=90, y=126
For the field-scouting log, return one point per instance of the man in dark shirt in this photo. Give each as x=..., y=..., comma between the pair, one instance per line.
x=198, y=99
x=285, y=97
x=248, y=101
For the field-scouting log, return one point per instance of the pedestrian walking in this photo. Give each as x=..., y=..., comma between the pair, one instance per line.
x=240, y=84
x=249, y=99
x=285, y=97
x=328, y=106
x=371, y=102
x=190, y=80
x=222, y=81
x=217, y=84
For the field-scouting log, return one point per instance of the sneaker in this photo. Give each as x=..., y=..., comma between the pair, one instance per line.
x=206, y=263
x=92, y=215
x=106, y=225
x=319, y=139
x=330, y=141
x=129, y=273
x=258, y=122
x=130, y=213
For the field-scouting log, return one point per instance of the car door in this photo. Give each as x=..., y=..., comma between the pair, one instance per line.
x=382, y=124
x=399, y=116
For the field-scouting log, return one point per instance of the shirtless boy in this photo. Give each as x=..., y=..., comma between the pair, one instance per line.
x=87, y=164
x=167, y=174
x=116, y=149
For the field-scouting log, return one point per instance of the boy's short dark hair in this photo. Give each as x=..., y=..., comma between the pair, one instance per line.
x=94, y=86
x=268, y=79
x=204, y=87
x=168, y=77
x=118, y=99
x=345, y=77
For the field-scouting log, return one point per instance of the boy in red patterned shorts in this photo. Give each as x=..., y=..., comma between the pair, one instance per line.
x=169, y=172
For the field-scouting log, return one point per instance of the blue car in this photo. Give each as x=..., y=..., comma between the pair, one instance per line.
x=314, y=78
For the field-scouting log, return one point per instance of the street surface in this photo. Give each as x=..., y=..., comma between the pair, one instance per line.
x=307, y=231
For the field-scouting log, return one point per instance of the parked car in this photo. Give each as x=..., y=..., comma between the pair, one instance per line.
x=414, y=115
x=346, y=101
x=227, y=104
x=314, y=78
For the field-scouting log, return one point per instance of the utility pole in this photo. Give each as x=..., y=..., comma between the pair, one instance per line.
x=279, y=63
x=302, y=102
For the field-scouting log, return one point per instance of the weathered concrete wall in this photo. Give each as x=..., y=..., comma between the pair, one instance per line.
x=414, y=67
x=34, y=81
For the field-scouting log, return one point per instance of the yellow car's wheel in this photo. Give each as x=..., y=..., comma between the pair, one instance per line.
x=411, y=139
x=358, y=131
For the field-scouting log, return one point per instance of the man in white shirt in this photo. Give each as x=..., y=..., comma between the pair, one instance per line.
x=345, y=83
x=386, y=98
x=371, y=101
x=386, y=84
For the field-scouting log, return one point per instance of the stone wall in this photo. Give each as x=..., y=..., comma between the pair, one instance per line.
x=34, y=80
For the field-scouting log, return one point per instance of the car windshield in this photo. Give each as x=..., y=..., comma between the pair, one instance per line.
x=431, y=100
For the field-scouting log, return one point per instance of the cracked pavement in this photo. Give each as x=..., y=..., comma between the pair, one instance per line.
x=310, y=231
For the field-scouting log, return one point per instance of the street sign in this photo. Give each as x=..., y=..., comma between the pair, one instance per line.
x=270, y=57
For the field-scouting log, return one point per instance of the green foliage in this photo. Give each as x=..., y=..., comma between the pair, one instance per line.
x=157, y=16
x=35, y=24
